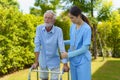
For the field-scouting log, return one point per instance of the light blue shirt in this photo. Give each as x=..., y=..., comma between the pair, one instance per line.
x=80, y=40
x=47, y=43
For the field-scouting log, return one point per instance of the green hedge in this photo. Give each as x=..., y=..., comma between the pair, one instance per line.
x=16, y=39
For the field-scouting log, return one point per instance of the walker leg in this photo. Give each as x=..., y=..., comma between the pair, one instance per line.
x=37, y=75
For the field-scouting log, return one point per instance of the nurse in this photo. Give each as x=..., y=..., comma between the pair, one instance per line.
x=80, y=40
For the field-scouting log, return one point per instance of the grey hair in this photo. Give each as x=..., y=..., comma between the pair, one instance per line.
x=51, y=12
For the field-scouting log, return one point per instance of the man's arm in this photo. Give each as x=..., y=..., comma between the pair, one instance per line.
x=36, y=57
x=37, y=42
x=61, y=45
x=35, y=65
x=62, y=50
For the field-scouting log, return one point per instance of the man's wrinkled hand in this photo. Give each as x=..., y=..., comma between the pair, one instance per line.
x=66, y=68
x=35, y=65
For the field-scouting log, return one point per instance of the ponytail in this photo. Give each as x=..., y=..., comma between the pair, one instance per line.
x=85, y=19
x=76, y=12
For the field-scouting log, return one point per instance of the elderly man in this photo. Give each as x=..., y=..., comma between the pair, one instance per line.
x=47, y=41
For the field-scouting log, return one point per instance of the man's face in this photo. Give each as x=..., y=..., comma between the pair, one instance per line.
x=48, y=20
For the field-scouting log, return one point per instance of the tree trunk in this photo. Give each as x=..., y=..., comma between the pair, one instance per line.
x=95, y=41
x=94, y=34
x=101, y=48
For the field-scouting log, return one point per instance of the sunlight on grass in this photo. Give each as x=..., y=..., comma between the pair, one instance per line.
x=108, y=71
x=96, y=64
x=101, y=70
x=23, y=75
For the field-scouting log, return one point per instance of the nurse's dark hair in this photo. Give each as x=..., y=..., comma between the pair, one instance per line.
x=75, y=11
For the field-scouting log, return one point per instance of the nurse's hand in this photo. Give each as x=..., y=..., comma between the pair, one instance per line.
x=64, y=55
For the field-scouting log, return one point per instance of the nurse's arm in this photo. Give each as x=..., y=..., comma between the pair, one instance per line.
x=77, y=52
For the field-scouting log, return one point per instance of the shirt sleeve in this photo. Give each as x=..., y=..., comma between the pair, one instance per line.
x=37, y=40
x=61, y=45
x=77, y=52
x=67, y=42
x=65, y=60
x=87, y=36
x=61, y=42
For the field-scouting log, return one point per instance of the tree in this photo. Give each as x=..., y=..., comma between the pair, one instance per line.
x=8, y=3
x=104, y=12
x=42, y=5
x=110, y=32
x=113, y=38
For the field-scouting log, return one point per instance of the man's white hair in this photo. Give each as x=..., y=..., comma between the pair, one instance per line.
x=51, y=12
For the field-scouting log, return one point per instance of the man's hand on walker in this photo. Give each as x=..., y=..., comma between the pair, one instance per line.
x=66, y=68
x=35, y=65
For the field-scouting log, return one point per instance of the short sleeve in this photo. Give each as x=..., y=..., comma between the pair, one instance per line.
x=87, y=36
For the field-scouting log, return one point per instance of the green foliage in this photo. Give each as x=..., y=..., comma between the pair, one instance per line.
x=114, y=39
x=17, y=32
x=110, y=34
x=8, y=3
x=104, y=11
x=43, y=5
x=84, y=5
x=114, y=35
x=35, y=11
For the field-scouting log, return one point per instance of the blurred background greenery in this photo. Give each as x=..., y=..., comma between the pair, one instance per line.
x=17, y=29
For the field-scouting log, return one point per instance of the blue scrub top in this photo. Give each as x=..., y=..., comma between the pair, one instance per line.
x=78, y=38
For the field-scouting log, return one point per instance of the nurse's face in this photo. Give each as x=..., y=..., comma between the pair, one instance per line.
x=74, y=19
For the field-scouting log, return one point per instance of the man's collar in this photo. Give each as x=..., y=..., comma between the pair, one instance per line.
x=51, y=31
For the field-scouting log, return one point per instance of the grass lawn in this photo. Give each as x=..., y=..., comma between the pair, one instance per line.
x=109, y=69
